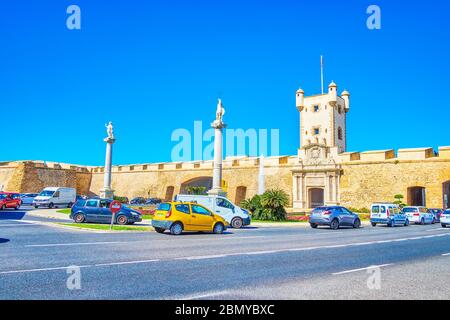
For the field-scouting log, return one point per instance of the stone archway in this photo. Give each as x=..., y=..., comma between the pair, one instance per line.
x=446, y=194
x=316, y=197
x=197, y=182
x=416, y=196
x=241, y=193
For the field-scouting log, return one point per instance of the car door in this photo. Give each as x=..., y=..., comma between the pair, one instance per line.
x=105, y=214
x=10, y=203
x=347, y=217
x=186, y=218
x=201, y=218
x=92, y=210
x=224, y=208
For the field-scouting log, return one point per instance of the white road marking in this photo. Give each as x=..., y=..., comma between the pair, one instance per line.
x=438, y=229
x=75, y=244
x=446, y=254
x=232, y=254
x=200, y=296
x=125, y=262
x=362, y=269
x=3, y=225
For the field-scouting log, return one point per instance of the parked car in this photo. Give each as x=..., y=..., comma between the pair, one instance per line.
x=387, y=213
x=334, y=217
x=10, y=200
x=419, y=215
x=445, y=218
x=97, y=211
x=28, y=198
x=53, y=197
x=137, y=201
x=153, y=201
x=187, y=216
x=437, y=214
x=233, y=214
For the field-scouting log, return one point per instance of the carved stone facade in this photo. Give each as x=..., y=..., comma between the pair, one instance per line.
x=315, y=180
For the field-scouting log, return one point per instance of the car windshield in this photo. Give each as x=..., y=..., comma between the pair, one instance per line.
x=3, y=196
x=319, y=210
x=410, y=210
x=46, y=193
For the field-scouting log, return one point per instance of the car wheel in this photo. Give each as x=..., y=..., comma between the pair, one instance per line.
x=17, y=207
x=79, y=218
x=433, y=221
x=313, y=225
x=357, y=224
x=237, y=223
x=422, y=221
x=406, y=222
x=374, y=224
x=36, y=207
x=122, y=220
x=443, y=225
x=3, y=207
x=218, y=228
x=51, y=205
x=176, y=229
x=334, y=224
x=160, y=230
x=391, y=224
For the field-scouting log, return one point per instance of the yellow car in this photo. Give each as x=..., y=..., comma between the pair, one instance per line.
x=186, y=216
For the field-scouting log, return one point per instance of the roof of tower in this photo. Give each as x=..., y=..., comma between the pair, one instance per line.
x=345, y=93
x=300, y=90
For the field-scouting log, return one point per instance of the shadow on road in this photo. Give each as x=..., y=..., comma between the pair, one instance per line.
x=12, y=215
x=3, y=240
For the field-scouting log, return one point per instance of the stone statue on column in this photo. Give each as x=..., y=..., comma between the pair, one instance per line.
x=218, y=126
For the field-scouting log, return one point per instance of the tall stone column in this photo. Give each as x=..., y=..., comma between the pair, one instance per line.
x=261, y=176
x=107, y=192
x=218, y=126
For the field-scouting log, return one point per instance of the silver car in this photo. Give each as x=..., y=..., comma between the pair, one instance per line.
x=27, y=198
x=334, y=217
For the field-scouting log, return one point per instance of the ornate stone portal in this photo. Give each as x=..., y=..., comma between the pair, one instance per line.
x=316, y=178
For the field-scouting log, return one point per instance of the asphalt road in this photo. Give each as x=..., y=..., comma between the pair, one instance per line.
x=253, y=263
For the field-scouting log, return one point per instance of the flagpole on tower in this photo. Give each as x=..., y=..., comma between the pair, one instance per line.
x=321, y=71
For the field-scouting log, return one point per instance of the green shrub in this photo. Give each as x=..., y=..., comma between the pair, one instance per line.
x=121, y=199
x=196, y=190
x=268, y=207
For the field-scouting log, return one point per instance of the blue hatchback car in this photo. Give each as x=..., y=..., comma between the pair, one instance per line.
x=334, y=217
x=97, y=211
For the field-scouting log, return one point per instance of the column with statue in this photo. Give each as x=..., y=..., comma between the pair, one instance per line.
x=218, y=126
x=107, y=192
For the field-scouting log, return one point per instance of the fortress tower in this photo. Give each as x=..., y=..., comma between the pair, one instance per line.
x=323, y=118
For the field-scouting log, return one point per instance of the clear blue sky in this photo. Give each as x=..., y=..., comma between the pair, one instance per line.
x=154, y=66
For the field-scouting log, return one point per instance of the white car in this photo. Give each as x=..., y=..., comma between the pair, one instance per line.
x=28, y=198
x=233, y=214
x=54, y=197
x=445, y=218
x=419, y=215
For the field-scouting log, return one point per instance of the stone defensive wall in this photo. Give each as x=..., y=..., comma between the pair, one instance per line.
x=366, y=176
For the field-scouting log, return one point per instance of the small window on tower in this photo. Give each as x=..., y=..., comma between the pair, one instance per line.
x=316, y=108
x=340, y=133
x=316, y=131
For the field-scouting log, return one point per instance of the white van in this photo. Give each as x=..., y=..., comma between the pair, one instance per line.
x=54, y=197
x=233, y=214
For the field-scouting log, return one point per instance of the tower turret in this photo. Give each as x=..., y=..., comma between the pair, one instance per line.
x=346, y=96
x=332, y=93
x=300, y=99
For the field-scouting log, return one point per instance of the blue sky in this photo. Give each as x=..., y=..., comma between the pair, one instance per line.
x=154, y=66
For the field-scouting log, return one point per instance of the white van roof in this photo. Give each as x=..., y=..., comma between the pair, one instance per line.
x=57, y=188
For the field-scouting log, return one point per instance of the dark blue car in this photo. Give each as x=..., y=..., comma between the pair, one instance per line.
x=97, y=211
